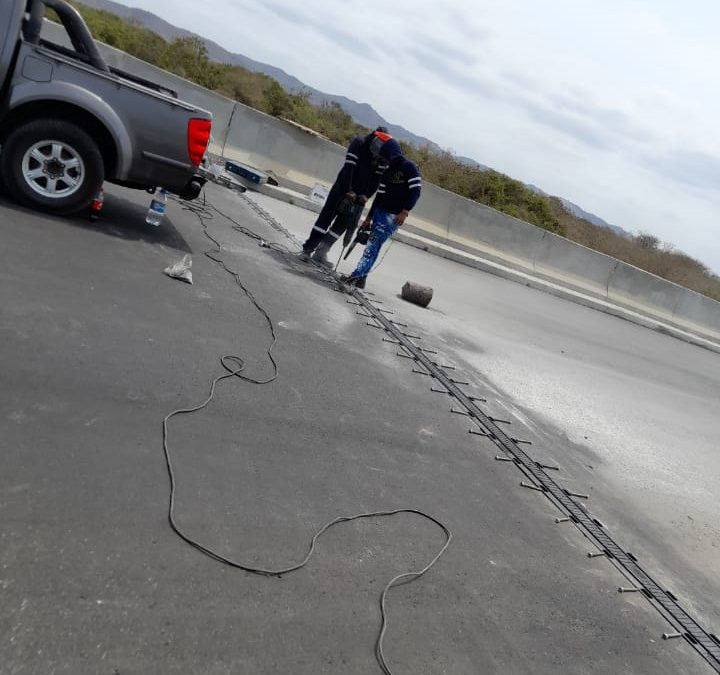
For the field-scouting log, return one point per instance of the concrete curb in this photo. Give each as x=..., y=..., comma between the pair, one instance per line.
x=282, y=194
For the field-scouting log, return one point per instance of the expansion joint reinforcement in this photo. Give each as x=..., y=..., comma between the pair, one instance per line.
x=704, y=642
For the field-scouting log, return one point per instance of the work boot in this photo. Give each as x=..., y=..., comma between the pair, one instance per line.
x=358, y=282
x=320, y=255
x=304, y=255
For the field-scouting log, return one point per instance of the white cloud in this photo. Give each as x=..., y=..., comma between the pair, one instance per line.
x=612, y=105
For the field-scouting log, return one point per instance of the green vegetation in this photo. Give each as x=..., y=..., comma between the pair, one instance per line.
x=188, y=58
x=487, y=187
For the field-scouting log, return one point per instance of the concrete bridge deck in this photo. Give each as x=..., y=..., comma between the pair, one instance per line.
x=98, y=346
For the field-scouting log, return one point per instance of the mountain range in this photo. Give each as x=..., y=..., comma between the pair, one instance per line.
x=362, y=113
x=579, y=212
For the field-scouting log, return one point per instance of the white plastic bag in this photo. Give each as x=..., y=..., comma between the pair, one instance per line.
x=181, y=269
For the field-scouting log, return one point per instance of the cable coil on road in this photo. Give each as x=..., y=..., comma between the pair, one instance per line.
x=234, y=368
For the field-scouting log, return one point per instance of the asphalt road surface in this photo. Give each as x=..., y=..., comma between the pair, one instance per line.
x=98, y=346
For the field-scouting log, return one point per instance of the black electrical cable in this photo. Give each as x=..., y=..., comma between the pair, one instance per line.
x=234, y=366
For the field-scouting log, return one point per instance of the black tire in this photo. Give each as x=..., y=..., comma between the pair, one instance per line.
x=74, y=187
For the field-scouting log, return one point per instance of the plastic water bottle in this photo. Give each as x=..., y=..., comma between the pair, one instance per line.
x=157, y=207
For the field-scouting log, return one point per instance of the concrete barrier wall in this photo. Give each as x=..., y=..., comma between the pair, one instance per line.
x=484, y=231
x=302, y=158
x=636, y=289
x=639, y=290
x=285, y=149
x=698, y=313
x=573, y=265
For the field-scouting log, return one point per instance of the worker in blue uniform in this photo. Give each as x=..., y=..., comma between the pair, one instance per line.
x=398, y=193
x=356, y=182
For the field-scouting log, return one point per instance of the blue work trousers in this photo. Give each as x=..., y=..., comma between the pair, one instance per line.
x=383, y=227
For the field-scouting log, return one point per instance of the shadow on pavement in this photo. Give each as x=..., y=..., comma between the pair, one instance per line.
x=431, y=310
x=120, y=218
x=125, y=219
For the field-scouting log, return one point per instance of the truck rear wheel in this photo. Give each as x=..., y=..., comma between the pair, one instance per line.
x=53, y=165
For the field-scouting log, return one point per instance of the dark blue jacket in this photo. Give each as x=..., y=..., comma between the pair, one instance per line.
x=360, y=173
x=399, y=187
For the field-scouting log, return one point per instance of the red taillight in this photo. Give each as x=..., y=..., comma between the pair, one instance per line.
x=198, y=139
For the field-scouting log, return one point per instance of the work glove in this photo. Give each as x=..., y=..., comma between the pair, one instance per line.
x=350, y=196
x=361, y=199
x=363, y=237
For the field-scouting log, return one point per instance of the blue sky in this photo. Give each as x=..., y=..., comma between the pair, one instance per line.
x=610, y=104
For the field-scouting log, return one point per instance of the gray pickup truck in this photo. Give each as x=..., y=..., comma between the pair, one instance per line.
x=68, y=122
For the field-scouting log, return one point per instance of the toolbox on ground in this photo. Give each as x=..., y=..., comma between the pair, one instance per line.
x=246, y=172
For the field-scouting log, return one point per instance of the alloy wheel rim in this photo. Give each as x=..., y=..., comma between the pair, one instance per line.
x=53, y=169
